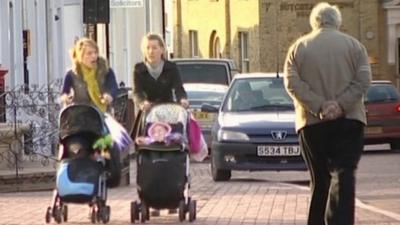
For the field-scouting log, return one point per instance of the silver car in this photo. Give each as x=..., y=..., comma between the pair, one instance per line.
x=200, y=94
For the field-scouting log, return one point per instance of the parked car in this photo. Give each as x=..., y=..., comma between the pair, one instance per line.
x=210, y=71
x=200, y=94
x=383, y=114
x=256, y=132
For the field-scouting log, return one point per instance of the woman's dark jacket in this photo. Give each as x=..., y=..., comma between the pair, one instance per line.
x=160, y=90
x=72, y=80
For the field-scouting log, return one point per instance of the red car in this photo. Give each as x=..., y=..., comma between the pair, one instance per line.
x=383, y=114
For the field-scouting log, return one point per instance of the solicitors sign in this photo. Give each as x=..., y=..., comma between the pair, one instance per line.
x=126, y=3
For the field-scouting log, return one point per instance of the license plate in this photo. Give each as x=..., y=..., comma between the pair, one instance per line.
x=282, y=150
x=202, y=116
x=373, y=130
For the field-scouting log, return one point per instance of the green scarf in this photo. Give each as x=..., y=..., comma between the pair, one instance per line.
x=89, y=76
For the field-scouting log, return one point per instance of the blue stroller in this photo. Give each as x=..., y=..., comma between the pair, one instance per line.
x=163, y=179
x=81, y=176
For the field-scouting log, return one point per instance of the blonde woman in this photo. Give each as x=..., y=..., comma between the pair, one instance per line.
x=90, y=81
x=156, y=79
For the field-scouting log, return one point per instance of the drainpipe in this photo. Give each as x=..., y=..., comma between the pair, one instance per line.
x=228, y=29
x=163, y=19
x=179, y=32
x=3, y=72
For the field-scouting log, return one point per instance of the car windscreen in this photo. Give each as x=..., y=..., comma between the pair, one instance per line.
x=381, y=93
x=197, y=98
x=258, y=94
x=204, y=73
x=205, y=96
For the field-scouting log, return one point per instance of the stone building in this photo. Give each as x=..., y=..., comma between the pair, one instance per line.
x=257, y=33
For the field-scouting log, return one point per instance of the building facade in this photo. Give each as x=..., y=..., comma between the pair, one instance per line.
x=127, y=27
x=36, y=36
x=257, y=33
x=35, y=39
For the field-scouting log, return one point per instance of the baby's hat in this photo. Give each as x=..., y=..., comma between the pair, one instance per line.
x=166, y=126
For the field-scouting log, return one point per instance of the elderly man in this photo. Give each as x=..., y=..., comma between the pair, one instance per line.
x=327, y=73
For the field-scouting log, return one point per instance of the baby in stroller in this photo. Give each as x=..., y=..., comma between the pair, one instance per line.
x=160, y=132
x=163, y=160
x=82, y=175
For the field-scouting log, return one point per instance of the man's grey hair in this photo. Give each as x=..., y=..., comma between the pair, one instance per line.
x=325, y=15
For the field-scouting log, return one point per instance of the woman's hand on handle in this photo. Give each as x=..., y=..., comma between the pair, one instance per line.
x=67, y=99
x=107, y=99
x=146, y=105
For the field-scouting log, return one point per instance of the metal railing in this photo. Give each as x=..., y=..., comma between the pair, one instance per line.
x=29, y=128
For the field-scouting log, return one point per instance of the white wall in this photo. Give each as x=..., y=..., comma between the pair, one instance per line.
x=11, y=36
x=16, y=73
x=127, y=27
x=155, y=16
x=169, y=29
x=73, y=29
x=35, y=22
x=3, y=26
x=64, y=26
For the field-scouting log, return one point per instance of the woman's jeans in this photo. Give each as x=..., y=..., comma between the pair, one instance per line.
x=332, y=151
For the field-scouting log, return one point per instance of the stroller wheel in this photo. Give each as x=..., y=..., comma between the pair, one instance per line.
x=57, y=214
x=192, y=210
x=134, y=211
x=105, y=214
x=48, y=215
x=65, y=213
x=145, y=213
x=93, y=215
x=182, y=210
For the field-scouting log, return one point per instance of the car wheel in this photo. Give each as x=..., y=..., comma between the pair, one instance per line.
x=395, y=145
x=218, y=174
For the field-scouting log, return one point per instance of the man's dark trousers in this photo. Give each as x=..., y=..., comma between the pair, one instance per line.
x=332, y=151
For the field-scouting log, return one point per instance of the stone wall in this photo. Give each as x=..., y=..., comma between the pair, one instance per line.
x=273, y=25
x=11, y=144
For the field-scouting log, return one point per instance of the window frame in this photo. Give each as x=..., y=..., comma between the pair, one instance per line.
x=193, y=43
x=244, y=59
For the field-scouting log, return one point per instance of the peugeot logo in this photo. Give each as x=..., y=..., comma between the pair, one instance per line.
x=278, y=135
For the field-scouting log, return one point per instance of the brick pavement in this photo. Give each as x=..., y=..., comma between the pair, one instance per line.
x=241, y=201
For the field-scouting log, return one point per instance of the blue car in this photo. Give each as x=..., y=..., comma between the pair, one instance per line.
x=255, y=128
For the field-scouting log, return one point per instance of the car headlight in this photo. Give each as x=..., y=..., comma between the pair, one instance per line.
x=224, y=135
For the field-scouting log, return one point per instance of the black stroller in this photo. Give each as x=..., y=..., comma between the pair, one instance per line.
x=81, y=176
x=163, y=179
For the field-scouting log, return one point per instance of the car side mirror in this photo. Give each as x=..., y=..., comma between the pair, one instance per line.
x=208, y=108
